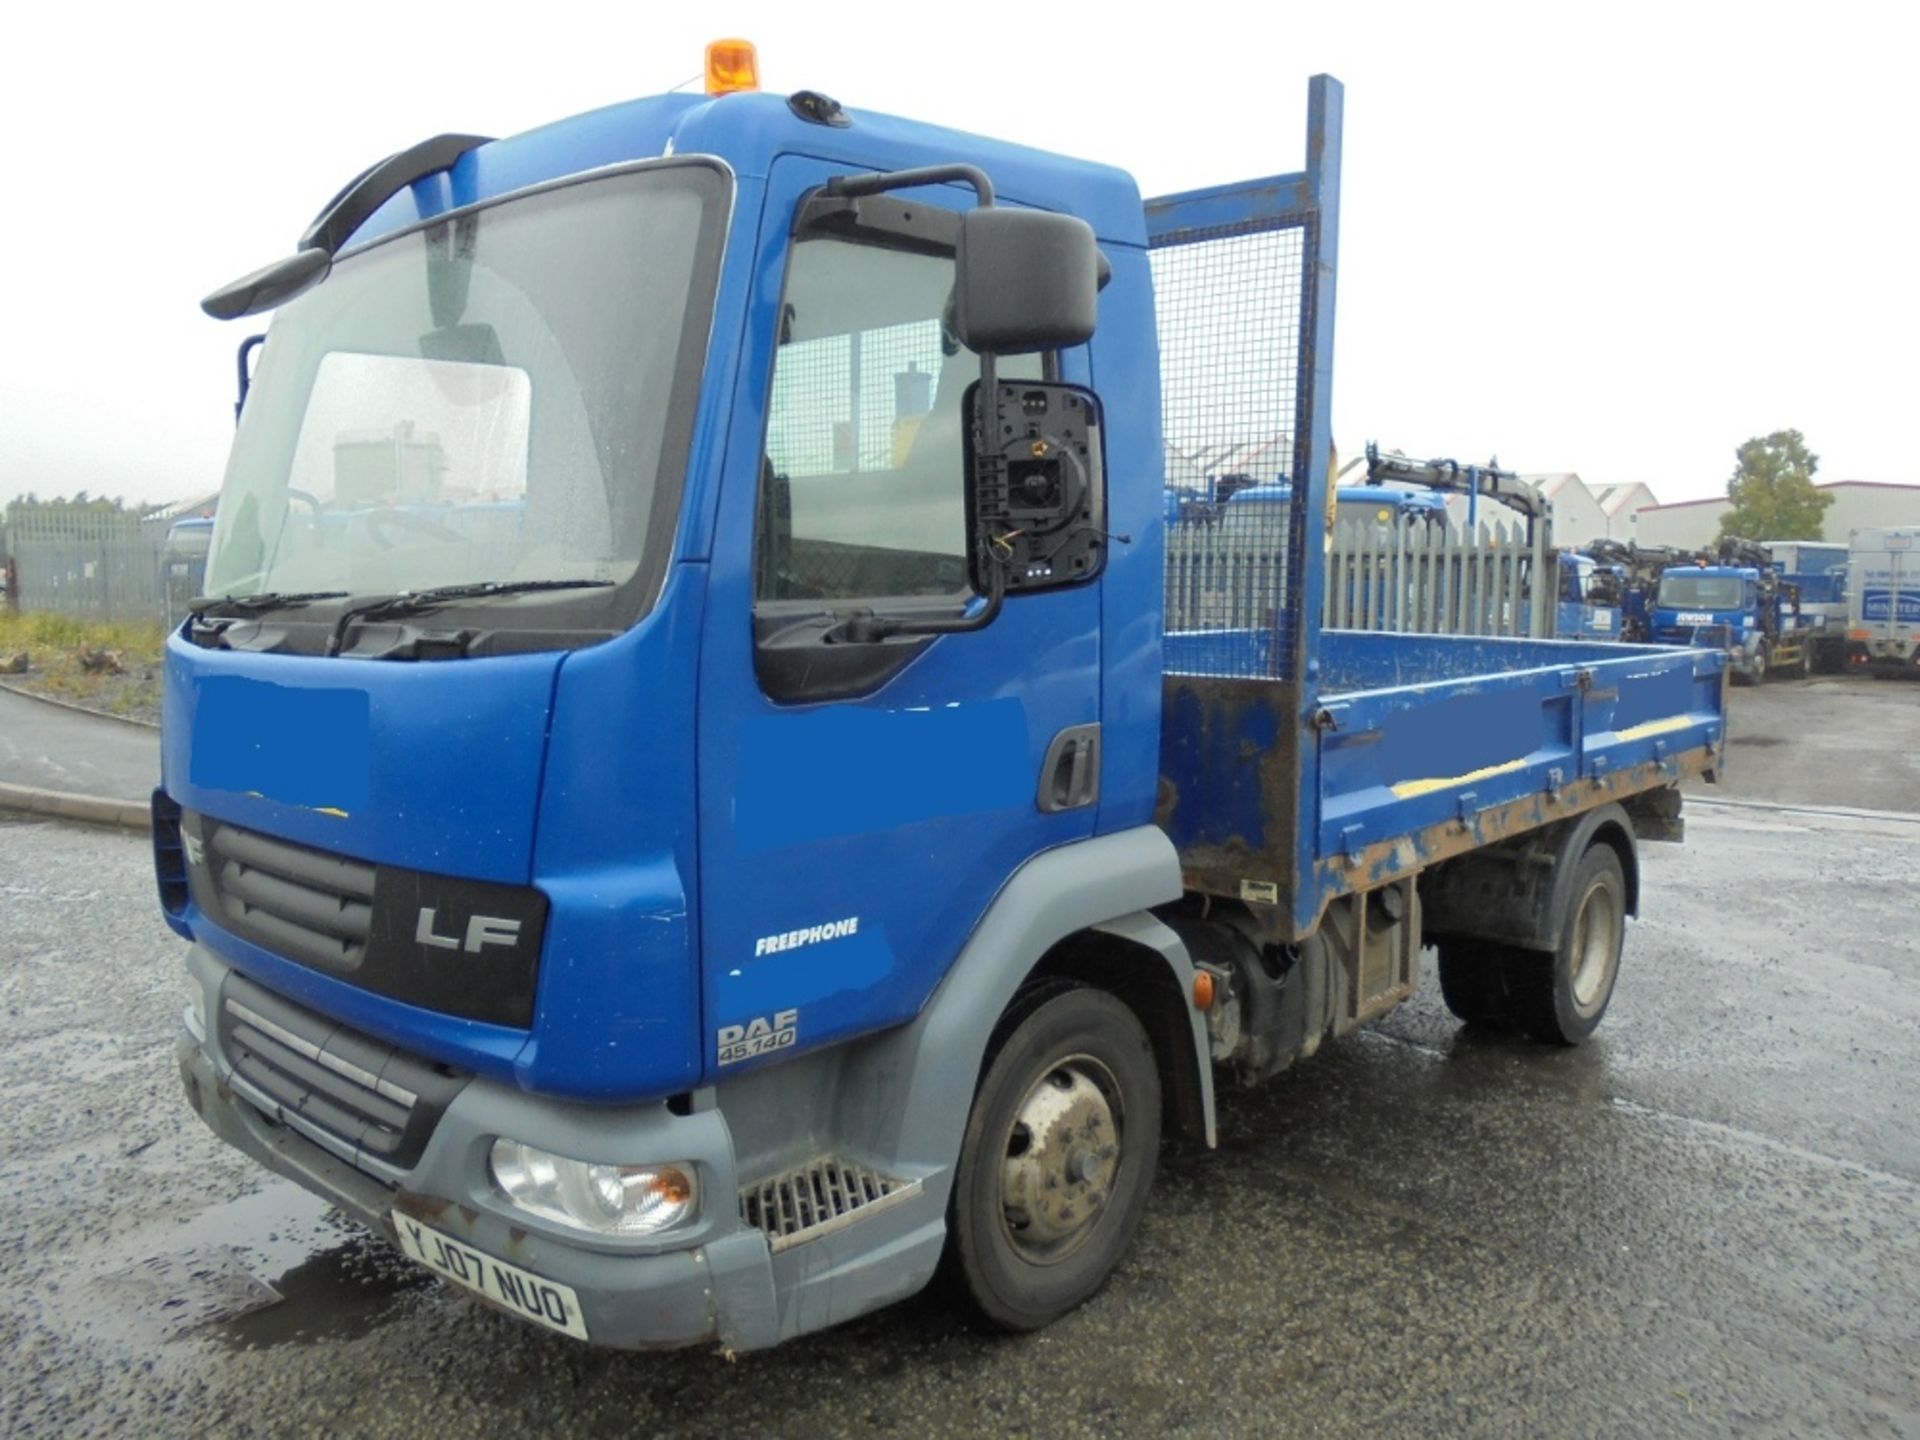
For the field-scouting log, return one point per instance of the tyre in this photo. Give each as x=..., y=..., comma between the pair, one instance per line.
x=1058, y=1156
x=1560, y=998
x=1473, y=981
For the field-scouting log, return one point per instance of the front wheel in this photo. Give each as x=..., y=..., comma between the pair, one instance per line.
x=1056, y=1163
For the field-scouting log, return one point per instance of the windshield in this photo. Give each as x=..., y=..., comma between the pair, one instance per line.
x=1700, y=592
x=500, y=395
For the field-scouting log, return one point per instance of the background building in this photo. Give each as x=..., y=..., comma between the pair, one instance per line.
x=1693, y=523
x=1583, y=513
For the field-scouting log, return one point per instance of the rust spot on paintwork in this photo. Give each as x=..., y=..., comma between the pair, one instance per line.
x=1403, y=855
x=421, y=1207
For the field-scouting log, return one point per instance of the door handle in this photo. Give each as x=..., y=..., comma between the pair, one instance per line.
x=1070, y=775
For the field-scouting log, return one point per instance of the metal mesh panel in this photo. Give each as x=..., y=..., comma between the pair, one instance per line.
x=844, y=403
x=1229, y=303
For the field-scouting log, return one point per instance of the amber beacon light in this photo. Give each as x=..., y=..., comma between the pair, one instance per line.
x=732, y=66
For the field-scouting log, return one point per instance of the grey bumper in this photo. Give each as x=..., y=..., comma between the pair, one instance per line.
x=711, y=1281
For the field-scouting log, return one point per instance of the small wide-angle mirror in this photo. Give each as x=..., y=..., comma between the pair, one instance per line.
x=1038, y=497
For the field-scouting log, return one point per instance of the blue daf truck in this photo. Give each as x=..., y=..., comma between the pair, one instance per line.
x=1738, y=601
x=712, y=829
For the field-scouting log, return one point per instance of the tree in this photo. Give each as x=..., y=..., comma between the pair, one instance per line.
x=1772, y=490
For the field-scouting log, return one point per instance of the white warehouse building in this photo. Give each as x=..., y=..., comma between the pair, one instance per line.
x=1857, y=505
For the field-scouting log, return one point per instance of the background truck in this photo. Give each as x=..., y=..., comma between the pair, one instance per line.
x=1241, y=506
x=1593, y=595
x=1739, y=603
x=798, y=856
x=1816, y=572
x=1883, y=617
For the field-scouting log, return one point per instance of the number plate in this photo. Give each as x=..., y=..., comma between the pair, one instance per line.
x=545, y=1302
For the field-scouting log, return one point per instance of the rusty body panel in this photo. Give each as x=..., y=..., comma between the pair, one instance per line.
x=1236, y=790
x=1412, y=774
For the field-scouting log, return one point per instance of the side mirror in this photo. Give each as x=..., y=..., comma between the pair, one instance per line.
x=1037, y=500
x=1027, y=280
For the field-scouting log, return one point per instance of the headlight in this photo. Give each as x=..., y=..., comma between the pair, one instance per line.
x=605, y=1199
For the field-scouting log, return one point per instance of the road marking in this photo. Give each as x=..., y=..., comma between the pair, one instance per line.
x=1845, y=812
x=1754, y=1138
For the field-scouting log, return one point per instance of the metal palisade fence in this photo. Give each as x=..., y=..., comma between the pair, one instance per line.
x=90, y=564
x=1431, y=578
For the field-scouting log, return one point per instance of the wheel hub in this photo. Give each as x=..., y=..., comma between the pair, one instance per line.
x=1062, y=1154
x=1595, y=944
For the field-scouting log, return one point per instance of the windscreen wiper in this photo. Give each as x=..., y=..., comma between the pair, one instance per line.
x=336, y=223
x=202, y=605
x=415, y=602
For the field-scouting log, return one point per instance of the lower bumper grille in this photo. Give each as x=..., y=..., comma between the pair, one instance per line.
x=817, y=1198
x=371, y=1104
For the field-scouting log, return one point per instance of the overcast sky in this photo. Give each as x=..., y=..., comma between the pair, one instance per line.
x=1615, y=239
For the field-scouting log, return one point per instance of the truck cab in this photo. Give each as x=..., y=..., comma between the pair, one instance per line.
x=1735, y=609
x=1592, y=597
x=625, y=727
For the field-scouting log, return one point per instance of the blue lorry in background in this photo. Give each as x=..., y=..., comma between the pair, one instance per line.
x=1816, y=573
x=1228, y=504
x=790, y=856
x=1739, y=601
x=1593, y=599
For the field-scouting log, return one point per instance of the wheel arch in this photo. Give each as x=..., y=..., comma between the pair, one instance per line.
x=1144, y=964
x=1518, y=893
x=1614, y=828
x=1077, y=912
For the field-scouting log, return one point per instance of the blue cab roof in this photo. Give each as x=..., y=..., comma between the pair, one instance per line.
x=749, y=131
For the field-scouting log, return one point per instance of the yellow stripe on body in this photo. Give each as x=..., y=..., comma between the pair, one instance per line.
x=1655, y=727
x=1407, y=789
x=334, y=811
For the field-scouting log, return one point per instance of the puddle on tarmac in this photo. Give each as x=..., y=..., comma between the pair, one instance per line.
x=271, y=1268
x=339, y=1293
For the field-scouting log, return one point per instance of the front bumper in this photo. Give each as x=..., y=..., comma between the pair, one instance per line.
x=709, y=1282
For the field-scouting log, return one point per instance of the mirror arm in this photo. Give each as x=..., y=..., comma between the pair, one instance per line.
x=247, y=347
x=853, y=186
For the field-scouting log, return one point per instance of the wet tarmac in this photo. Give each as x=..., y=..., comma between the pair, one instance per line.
x=52, y=747
x=1705, y=1222
x=1847, y=740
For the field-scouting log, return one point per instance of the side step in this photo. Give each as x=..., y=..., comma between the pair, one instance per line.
x=817, y=1198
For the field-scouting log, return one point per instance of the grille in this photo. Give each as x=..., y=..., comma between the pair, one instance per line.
x=304, y=904
x=362, y=1099
x=817, y=1198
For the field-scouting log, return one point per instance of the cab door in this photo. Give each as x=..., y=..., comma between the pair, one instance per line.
x=861, y=801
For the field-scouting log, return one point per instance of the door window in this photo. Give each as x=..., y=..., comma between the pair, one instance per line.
x=863, y=482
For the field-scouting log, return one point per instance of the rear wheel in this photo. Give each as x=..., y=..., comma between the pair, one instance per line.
x=1561, y=997
x=1057, y=1159
x=1473, y=980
